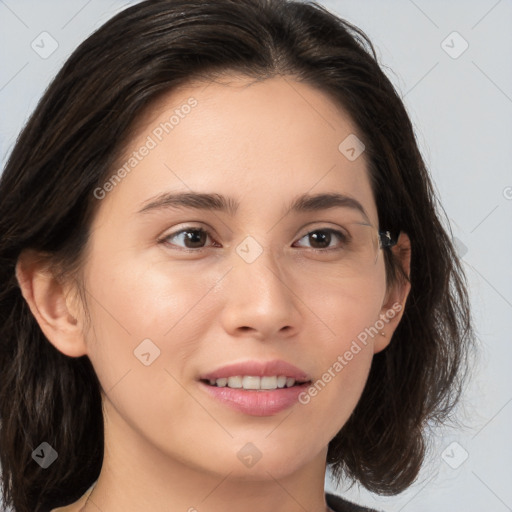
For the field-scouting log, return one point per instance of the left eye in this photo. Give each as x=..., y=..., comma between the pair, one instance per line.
x=324, y=237
x=195, y=238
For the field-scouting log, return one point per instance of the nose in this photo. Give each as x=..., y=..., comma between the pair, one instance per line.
x=260, y=300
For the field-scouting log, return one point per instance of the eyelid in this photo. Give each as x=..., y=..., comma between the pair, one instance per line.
x=322, y=226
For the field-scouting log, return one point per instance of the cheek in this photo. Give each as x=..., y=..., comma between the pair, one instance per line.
x=343, y=369
x=343, y=307
x=137, y=308
x=141, y=299
x=145, y=331
x=348, y=312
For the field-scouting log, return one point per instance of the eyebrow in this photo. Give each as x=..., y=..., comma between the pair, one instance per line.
x=217, y=202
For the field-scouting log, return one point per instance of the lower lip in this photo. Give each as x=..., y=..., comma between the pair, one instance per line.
x=257, y=403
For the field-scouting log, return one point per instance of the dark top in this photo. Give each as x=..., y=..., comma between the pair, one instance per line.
x=340, y=505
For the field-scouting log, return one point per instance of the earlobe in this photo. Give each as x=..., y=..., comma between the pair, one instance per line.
x=46, y=298
x=396, y=296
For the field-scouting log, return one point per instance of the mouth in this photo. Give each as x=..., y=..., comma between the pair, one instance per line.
x=255, y=383
x=256, y=388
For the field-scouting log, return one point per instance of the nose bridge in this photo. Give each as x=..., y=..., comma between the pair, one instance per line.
x=259, y=267
x=260, y=294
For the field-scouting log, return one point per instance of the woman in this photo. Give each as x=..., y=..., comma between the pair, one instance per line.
x=222, y=271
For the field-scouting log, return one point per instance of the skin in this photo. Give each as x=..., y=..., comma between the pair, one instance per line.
x=169, y=446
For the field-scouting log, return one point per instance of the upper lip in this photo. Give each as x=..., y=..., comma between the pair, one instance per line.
x=258, y=369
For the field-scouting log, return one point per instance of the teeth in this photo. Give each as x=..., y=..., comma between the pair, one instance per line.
x=250, y=382
x=268, y=382
x=235, y=382
x=281, y=381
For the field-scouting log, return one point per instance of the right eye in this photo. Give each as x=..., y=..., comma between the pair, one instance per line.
x=193, y=238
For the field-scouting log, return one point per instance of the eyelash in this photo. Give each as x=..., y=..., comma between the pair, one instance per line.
x=342, y=236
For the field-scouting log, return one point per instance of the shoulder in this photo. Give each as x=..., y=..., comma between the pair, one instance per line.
x=340, y=505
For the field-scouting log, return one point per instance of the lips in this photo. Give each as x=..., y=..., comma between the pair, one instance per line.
x=256, y=375
x=258, y=369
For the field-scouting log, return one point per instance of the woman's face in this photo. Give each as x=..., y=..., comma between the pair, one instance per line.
x=170, y=306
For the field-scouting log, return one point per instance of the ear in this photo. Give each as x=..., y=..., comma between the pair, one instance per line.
x=50, y=304
x=396, y=296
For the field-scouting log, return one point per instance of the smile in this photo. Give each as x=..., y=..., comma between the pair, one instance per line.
x=249, y=382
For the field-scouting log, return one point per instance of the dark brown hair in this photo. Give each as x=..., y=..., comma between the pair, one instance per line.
x=69, y=147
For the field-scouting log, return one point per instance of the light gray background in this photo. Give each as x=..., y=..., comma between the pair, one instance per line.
x=462, y=112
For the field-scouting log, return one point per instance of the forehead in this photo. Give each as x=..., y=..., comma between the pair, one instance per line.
x=262, y=142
